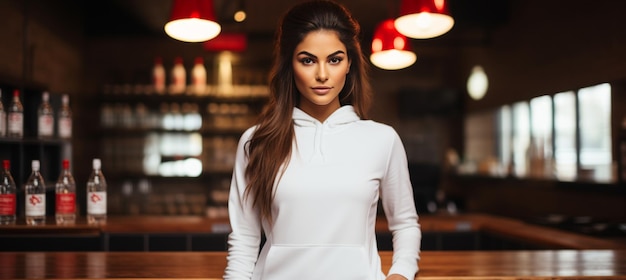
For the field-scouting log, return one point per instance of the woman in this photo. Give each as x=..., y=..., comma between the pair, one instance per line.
x=309, y=175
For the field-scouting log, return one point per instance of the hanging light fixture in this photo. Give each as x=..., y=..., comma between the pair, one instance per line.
x=390, y=49
x=477, y=83
x=423, y=19
x=192, y=21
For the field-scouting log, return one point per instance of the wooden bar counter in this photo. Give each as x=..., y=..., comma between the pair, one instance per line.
x=488, y=265
x=188, y=227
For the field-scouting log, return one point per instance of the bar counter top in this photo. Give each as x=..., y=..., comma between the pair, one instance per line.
x=486, y=265
x=507, y=227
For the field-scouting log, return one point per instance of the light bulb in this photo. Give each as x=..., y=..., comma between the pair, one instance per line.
x=477, y=83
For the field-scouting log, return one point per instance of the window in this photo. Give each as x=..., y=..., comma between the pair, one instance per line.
x=565, y=156
x=566, y=136
x=521, y=138
x=540, y=154
x=595, y=132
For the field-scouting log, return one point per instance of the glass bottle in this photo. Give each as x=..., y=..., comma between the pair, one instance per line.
x=8, y=203
x=65, y=191
x=158, y=76
x=15, y=119
x=179, y=77
x=65, y=118
x=3, y=118
x=35, y=194
x=96, y=195
x=198, y=76
x=45, y=117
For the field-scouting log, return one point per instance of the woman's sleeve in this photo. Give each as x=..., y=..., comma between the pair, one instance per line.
x=399, y=207
x=245, y=237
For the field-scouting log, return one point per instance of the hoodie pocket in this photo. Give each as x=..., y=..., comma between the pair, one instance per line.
x=317, y=262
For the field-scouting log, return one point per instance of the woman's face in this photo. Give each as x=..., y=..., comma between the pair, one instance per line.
x=320, y=64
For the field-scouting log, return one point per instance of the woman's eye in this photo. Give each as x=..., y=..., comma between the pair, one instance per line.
x=306, y=60
x=335, y=60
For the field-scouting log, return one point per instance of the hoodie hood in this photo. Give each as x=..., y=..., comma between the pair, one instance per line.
x=311, y=133
x=344, y=115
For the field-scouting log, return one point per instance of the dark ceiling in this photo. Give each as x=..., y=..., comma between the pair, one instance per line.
x=147, y=17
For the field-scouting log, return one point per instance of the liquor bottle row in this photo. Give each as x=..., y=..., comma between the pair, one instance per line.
x=48, y=119
x=192, y=81
x=178, y=77
x=34, y=190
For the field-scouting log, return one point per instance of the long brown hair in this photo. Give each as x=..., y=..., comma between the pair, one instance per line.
x=270, y=146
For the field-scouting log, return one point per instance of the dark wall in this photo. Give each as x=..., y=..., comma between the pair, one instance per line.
x=541, y=47
x=549, y=47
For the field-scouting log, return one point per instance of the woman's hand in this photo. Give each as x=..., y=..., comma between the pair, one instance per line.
x=396, y=277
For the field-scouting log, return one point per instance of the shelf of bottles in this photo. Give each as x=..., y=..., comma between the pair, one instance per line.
x=175, y=135
x=150, y=136
x=177, y=130
x=35, y=126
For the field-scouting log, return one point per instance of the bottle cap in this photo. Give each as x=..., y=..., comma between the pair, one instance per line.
x=66, y=164
x=6, y=164
x=96, y=163
x=35, y=165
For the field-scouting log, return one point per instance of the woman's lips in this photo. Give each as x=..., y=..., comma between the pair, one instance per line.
x=321, y=90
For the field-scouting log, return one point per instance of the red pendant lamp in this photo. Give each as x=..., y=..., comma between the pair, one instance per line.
x=192, y=21
x=390, y=49
x=423, y=19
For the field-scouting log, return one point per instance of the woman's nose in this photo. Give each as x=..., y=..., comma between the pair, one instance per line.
x=322, y=74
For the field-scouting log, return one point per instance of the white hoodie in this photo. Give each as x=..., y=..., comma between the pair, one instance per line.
x=325, y=205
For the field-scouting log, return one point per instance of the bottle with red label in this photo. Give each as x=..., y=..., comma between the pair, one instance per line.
x=8, y=191
x=35, y=195
x=65, y=190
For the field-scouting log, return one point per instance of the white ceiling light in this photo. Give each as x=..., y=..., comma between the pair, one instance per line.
x=423, y=19
x=390, y=49
x=192, y=21
x=477, y=83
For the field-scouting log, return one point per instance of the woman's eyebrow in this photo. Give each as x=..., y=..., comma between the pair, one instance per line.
x=314, y=56
x=336, y=53
x=307, y=54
